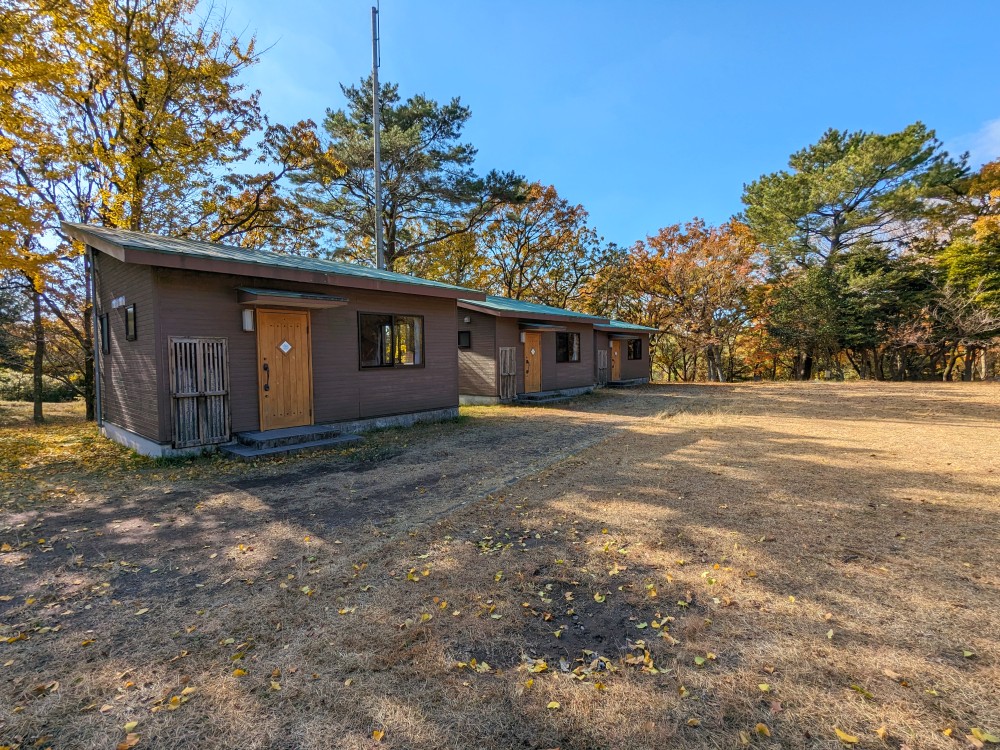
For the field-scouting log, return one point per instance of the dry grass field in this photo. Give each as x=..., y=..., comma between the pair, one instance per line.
x=765, y=566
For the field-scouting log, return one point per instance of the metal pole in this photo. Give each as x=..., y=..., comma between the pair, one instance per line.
x=379, y=244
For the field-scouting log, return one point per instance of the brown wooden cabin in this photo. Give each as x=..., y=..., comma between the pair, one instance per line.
x=197, y=342
x=510, y=349
x=622, y=353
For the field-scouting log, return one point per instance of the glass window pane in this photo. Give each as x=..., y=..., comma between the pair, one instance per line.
x=105, y=335
x=409, y=340
x=562, y=347
x=375, y=340
x=130, y=329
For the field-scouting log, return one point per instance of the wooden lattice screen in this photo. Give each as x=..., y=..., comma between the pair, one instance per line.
x=199, y=391
x=602, y=366
x=508, y=373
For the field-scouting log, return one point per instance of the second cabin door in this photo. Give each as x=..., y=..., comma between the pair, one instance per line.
x=284, y=369
x=532, y=362
x=616, y=360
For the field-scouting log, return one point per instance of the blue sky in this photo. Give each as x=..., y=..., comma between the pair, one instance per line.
x=648, y=113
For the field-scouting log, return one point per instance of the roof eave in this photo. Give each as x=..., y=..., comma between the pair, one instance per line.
x=467, y=304
x=604, y=328
x=163, y=259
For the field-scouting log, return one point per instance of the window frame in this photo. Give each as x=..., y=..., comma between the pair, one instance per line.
x=104, y=332
x=130, y=313
x=628, y=349
x=468, y=342
x=569, y=349
x=394, y=365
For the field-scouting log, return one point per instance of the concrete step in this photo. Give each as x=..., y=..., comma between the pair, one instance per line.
x=243, y=452
x=534, y=399
x=287, y=436
x=627, y=383
x=548, y=397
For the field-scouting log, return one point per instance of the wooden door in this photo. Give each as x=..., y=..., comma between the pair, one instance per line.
x=532, y=362
x=284, y=369
x=616, y=360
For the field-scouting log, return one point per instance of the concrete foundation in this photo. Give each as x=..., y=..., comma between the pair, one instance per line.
x=397, y=420
x=478, y=400
x=146, y=447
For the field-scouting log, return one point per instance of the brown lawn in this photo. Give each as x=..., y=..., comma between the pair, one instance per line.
x=672, y=567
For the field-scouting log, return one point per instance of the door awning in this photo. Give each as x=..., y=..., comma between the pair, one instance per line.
x=262, y=297
x=540, y=326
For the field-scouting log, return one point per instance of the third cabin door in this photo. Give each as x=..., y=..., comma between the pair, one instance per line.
x=532, y=362
x=284, y=368
x=616, y=360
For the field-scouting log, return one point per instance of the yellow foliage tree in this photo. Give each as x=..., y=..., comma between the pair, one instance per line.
x=131, y=114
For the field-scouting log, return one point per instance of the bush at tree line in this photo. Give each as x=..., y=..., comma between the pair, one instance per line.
x=18, y=386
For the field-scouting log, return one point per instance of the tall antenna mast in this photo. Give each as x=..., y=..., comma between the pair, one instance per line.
x=376, y=116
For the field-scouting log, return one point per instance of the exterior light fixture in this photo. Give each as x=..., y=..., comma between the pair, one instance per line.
x=248, y=319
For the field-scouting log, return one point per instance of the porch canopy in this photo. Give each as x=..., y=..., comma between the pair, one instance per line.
x=251, y=297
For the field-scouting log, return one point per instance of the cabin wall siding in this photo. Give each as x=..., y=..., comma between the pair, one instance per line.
x=478, y=366
x=571, y=374
x=199, y=304
x=129, y=372
x=555, y=375
x=636, y=368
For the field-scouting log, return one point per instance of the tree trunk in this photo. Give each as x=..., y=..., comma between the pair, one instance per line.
x=876, y=365
x=714, y=366
x=39, y=358
x=952, y=359
x=969, y=363
x=935, y=359
x=805, y=369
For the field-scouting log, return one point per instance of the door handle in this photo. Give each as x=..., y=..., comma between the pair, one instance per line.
x=267, y=384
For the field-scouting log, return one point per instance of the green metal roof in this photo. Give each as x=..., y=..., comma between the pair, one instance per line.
x=528, y=309
x=622, y=325
x=155, y=243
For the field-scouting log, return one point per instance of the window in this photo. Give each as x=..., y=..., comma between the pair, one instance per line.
x=635, y=348
x=465, y=339
x=390, y=340
x=105, y=333
x=130, y=331
x=567, y=347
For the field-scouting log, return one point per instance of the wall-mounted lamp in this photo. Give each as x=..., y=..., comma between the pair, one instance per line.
x=522, y=337
x=248, y=319
x=468, y=318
